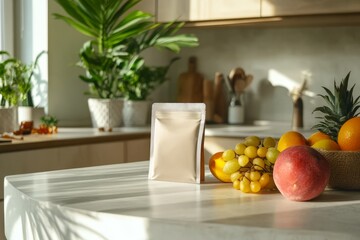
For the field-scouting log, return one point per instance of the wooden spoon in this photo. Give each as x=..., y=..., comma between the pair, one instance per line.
x=237, y=73
x=240, y=85
x=248, y=80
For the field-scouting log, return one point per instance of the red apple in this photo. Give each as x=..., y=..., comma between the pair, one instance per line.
x=301, y=173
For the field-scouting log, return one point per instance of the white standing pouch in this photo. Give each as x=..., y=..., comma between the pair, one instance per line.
x=177, y=140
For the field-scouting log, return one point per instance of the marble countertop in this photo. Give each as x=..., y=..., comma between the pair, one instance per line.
x=119, y=202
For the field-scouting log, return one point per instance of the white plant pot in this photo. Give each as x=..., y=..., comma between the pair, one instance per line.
x=105, y=113
x=136, y=113
x=8, y=119
x=30, y=114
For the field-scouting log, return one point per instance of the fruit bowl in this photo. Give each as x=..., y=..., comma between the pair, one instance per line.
x=344, y=169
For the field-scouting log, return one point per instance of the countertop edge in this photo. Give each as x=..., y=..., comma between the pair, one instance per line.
x=91, y=138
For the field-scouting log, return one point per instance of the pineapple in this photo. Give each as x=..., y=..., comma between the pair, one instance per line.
x=341, y=106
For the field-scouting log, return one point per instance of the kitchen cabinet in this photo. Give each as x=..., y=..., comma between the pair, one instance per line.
x=271, y=8
x=137, y=150
x=205, y=10
x=200, y=13
x=148, y=6
x=47, y=159
x=76, y=156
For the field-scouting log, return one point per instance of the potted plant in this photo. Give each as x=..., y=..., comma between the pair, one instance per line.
x=137, y=85
x=7, y=95
x=15, y=90
x=115, y=69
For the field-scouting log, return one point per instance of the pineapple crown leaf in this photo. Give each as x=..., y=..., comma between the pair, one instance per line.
x=324, y=109
x=330, y=97
x=327, y=99
x=357, y=101
x=340, y=106
x=354, y=111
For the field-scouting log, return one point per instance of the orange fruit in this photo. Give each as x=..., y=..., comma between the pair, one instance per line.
x=289, y=139
x=326, y=144
x=317, y=136
x=349, y=135
x=216, y=165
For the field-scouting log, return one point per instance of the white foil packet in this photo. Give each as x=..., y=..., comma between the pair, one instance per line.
x=177, y=142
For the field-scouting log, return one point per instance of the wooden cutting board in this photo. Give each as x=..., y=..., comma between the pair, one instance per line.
x=220, y=99
x=190, y=84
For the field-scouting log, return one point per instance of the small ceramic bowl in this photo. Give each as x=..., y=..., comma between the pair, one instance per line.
x=345, y=169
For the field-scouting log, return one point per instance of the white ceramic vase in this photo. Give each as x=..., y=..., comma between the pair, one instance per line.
x=8, y=119
x=105, y=113
x=136, y=113
x=33, y=114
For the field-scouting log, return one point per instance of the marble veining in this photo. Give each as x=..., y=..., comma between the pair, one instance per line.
x=119, y=202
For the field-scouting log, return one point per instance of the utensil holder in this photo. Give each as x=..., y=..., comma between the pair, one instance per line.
x=236, y=111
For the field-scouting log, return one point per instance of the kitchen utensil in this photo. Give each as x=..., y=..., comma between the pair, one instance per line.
x=190, y=84
x=240, y=85
x=239, y=80
x=209, y=99
x=249, y=79
x=237, y=73
x=220, y=99
x=229, y=84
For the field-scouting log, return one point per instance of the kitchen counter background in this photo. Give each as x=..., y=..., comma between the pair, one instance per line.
x=81, y=136
x=87, y=136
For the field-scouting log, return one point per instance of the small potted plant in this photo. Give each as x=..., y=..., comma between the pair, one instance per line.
x=7, y=95
x=15, y=89
x=49, y=125
x=112, y=58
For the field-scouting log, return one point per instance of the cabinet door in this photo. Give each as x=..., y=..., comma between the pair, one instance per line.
x=137, y=150
x=204, y=10
x=304, y=7
x=148, y=6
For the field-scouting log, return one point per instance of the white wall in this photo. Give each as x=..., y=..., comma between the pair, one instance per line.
x=66, y=101
x=7, y=25
x=327, y=52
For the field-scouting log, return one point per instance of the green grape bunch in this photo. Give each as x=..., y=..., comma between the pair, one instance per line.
x=250, y=164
